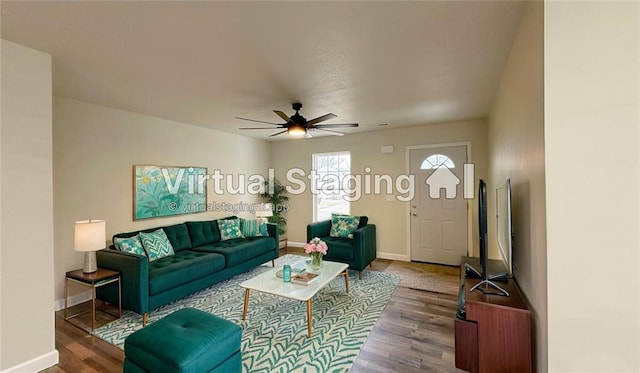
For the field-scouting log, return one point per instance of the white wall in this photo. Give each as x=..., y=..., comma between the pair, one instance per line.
x=516, y=151
x=26, y=216
x=592, y=71
x=94, y=149
x=390, y=217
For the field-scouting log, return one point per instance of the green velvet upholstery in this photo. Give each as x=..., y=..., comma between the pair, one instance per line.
x=149, y=285
x=188, y=340
x=203, y=232
x=239, y=250
x=185, y=266
x=178, y=236
x=358, y=252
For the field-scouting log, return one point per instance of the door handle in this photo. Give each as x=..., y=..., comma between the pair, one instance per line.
x=414, y=214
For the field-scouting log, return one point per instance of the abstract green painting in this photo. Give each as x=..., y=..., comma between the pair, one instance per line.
x=167, y=190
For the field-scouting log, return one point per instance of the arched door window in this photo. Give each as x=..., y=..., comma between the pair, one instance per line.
x=436, y=160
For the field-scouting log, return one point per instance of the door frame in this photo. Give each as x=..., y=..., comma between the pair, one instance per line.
x=408, y=150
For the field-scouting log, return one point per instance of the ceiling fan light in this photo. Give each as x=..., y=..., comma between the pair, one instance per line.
x=296, y=131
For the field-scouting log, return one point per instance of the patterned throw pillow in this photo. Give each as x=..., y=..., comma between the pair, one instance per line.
x=253, y=228
x=229, y=229
x=343, y=225
x=156, y=244
x=129, y=245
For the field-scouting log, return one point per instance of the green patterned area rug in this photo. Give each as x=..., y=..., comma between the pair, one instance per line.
x=274, y=336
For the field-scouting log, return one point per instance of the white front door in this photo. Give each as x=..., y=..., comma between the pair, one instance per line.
x=438, y=209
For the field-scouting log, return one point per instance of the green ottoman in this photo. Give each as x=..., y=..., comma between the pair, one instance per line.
x=188, y=340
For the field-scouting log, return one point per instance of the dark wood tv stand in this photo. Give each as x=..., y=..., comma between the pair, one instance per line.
x=495, y=334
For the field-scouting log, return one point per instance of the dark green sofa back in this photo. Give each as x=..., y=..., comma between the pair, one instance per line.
x=178, y=235
x=203, y=232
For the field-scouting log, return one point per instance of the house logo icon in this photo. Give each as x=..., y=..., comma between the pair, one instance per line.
x=442, y=178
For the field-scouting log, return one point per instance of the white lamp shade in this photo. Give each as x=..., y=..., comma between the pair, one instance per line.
x=90, y=235
x=264, y=211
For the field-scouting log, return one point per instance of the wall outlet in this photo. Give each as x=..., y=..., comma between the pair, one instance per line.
x=391, y=197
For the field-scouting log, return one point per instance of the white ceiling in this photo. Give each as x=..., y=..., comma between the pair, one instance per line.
x=204, y=63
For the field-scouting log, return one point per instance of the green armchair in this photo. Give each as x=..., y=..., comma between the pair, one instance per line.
x=358, y=252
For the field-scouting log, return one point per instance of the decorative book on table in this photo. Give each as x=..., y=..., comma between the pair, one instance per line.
x=296, y=269
x=304, y=278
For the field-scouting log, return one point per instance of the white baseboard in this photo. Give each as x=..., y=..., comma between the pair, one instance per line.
x=36, y=364
x=73, y=300
x=390, y=256
x=295, y=244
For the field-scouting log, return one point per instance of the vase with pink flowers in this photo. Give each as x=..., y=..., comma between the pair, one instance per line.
x=316, y=248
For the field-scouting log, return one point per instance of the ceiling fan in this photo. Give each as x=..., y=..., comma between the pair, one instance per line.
x=298, y=126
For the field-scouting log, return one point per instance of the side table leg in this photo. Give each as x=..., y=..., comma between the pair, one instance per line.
x=66, y=293
x=120, y=296
x=93, y=308
x=309, y=307
x=246, y=304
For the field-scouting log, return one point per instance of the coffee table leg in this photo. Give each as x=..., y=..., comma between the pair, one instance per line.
x=246, y=304
x=309, y=307
x=346, y=279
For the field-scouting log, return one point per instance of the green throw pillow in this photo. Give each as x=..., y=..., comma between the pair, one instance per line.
x=343, y=225
x=129, y=245
x=253, y=228
x=229, y=229
x=156, y=244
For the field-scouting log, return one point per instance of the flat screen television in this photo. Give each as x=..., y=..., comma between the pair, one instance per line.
x=485, y=285
x=504, y=225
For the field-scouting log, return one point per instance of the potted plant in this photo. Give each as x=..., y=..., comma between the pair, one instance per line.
x=278, y=200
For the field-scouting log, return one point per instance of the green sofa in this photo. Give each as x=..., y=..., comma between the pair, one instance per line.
x=201, y=259
x=358, y=252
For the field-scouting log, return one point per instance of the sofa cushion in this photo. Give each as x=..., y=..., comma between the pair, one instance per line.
x=229, y=229
x=339, y=248
x=178, y=236
x=363, y=221
x=343, y=225
x=203, y=232
x=129, y=245
x=253, y=228
x=156, y=244
x=181, y=268
x=240, y=250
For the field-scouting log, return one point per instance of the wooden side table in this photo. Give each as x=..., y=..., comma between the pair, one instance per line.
x=94, y=280
x=283, y=242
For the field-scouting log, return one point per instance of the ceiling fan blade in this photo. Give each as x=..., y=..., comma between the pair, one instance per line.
x=336, y=125
x=279, y=133
x=259, y=128
x=322, y=118
x=282, y=115
x=335, y=133
x=259, y=121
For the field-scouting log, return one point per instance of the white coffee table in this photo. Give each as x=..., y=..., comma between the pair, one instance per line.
x=268, y=282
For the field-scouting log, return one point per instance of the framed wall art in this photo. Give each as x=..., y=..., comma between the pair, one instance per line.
x=160, y=191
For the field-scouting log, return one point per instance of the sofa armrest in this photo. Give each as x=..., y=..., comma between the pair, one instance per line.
x=318, y=229
x=365, y=245
x=134, y=277
x=274, y=232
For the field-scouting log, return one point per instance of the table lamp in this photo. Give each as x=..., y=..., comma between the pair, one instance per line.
x=90, y=236
x=264, y=211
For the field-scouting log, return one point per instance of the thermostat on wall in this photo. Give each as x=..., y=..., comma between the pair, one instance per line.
x=387, y=149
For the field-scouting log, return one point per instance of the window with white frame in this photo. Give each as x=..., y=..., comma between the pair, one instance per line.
x=435, y=161
x=329, y=196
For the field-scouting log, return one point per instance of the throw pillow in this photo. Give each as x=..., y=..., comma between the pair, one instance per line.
x=156, y=244
x=229, y=229
x=253, y=227
x=129, y=245
x=343, y=225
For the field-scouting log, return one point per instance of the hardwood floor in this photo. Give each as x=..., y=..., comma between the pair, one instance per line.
x=414, y=334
